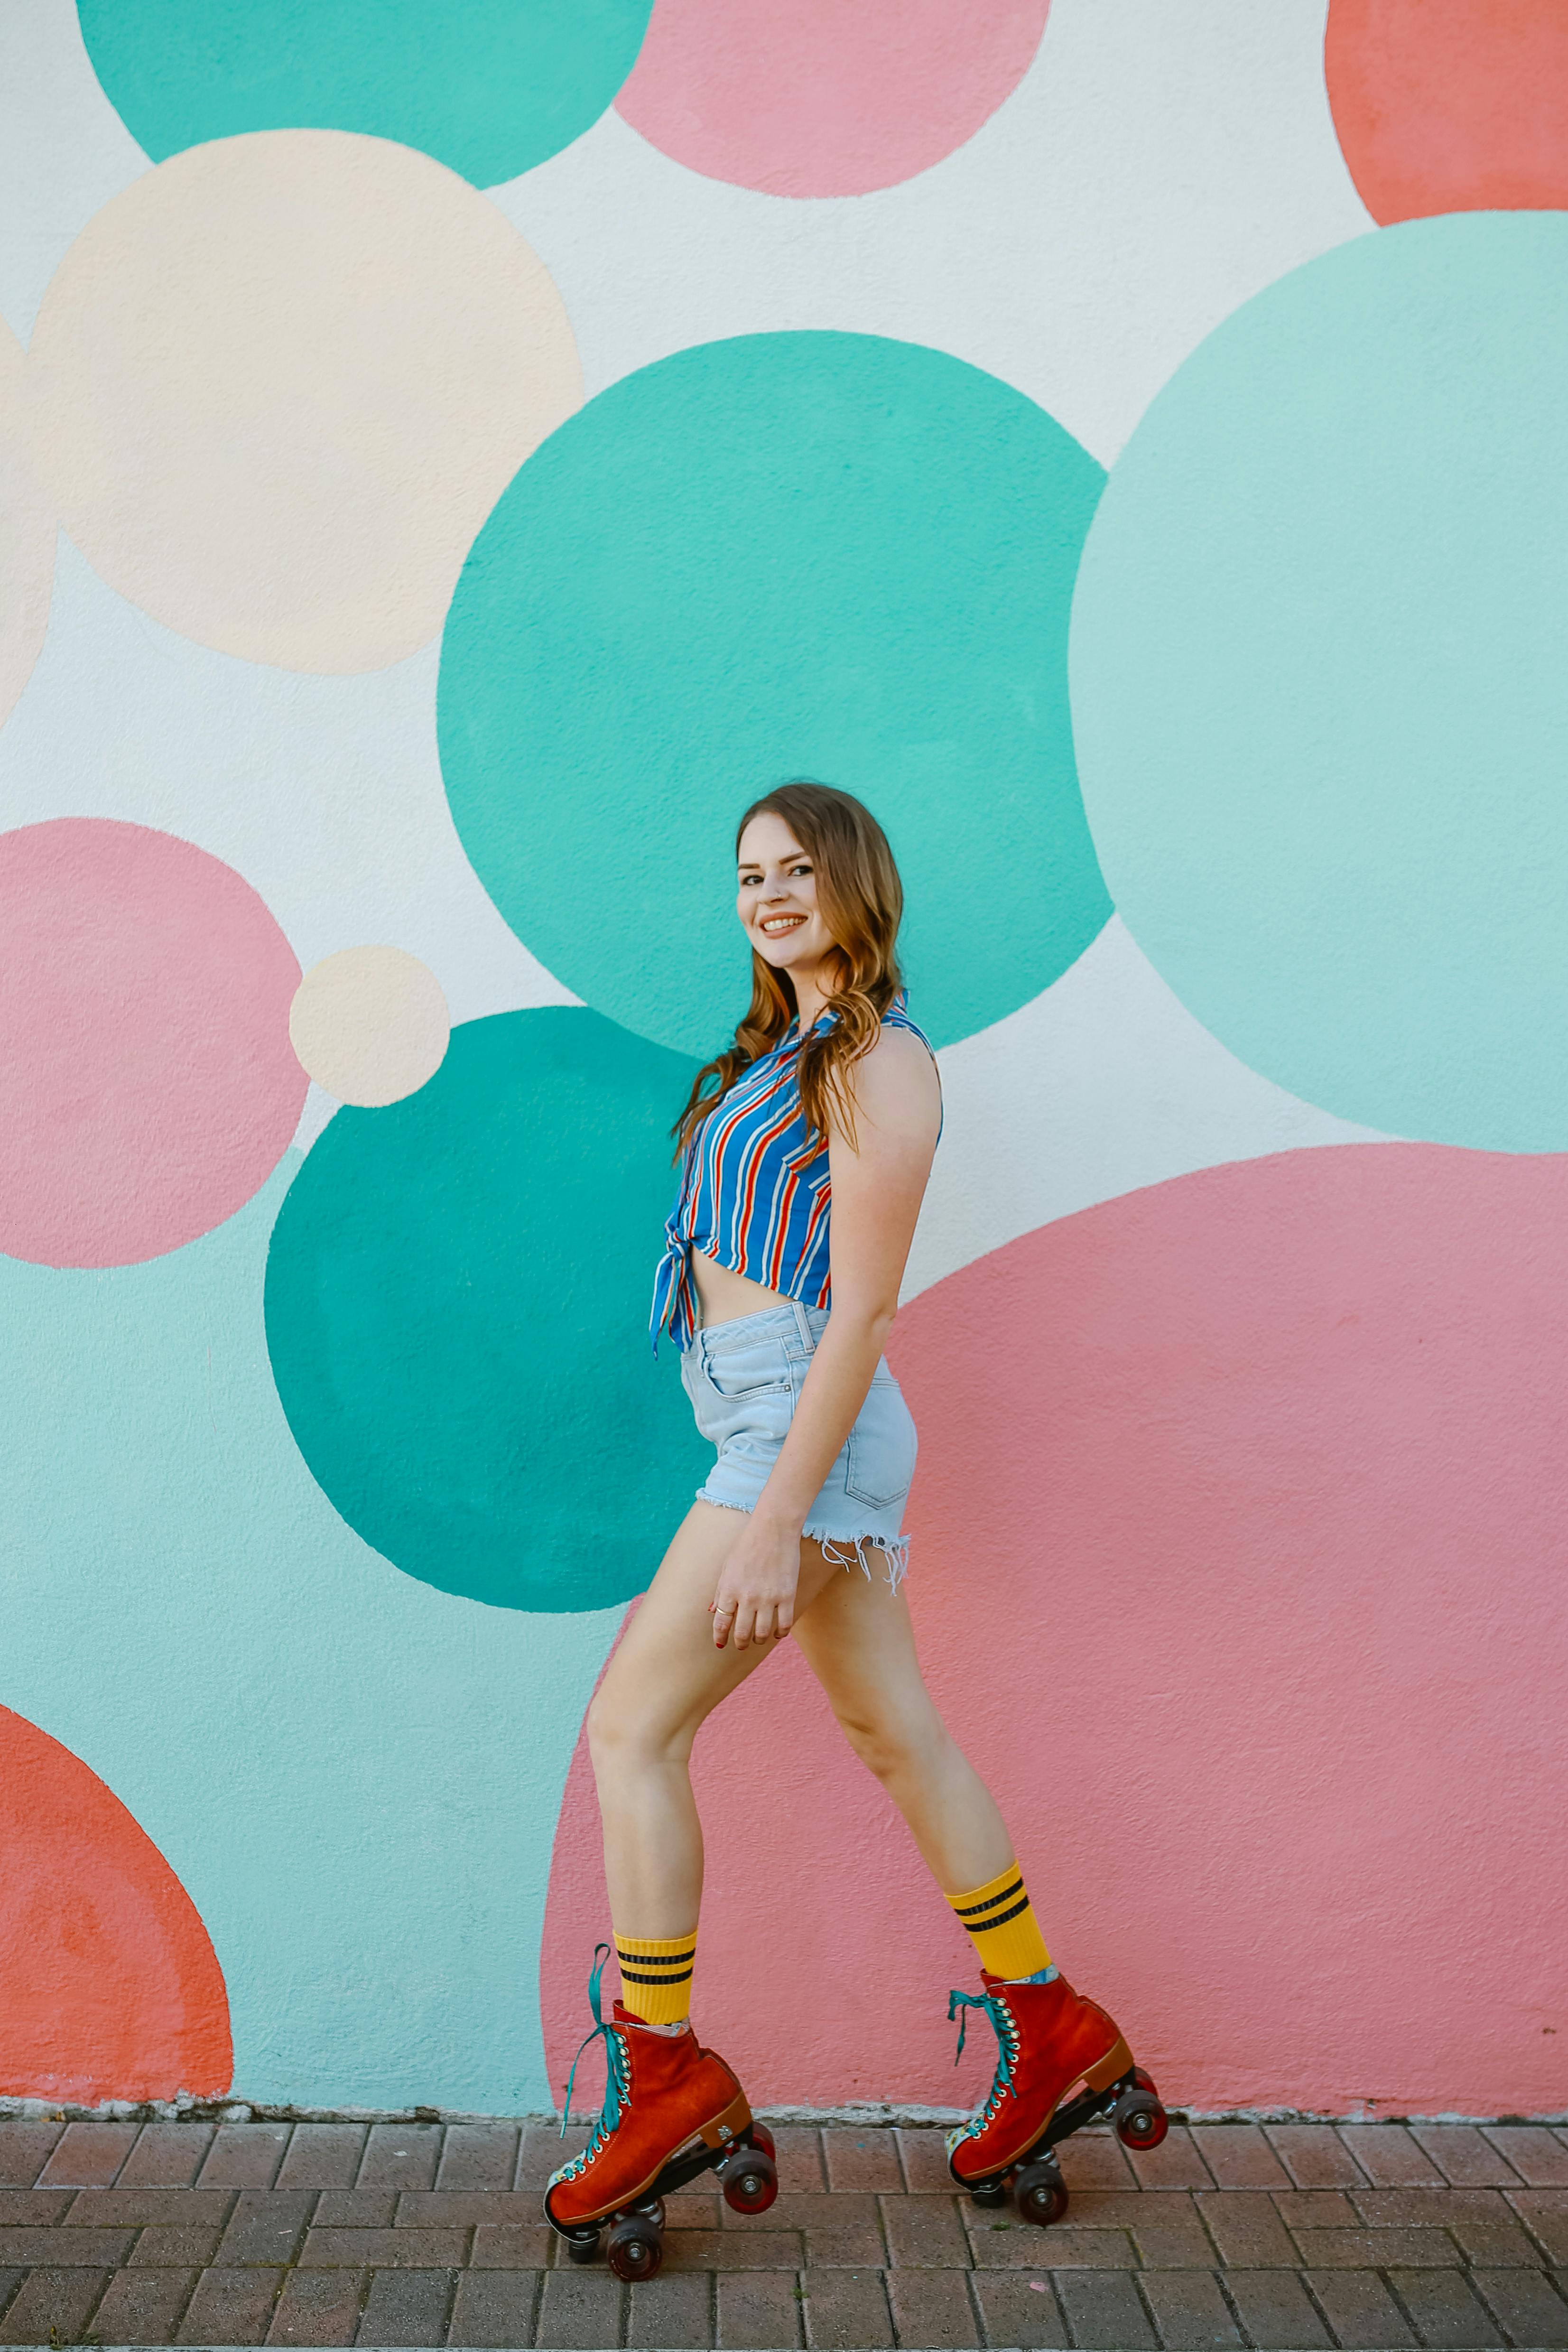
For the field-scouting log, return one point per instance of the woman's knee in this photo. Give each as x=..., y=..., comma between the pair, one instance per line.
x=891, y=1741
x=628, y=1732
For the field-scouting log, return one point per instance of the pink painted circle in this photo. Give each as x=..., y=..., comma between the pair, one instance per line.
x=1237, y=1571
x=109, y=1987
x=147, y=1083
x=1444, y=105
x=821, y=99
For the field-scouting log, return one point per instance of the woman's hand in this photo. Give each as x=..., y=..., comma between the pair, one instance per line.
x=878, y=1179
x=755, y=1597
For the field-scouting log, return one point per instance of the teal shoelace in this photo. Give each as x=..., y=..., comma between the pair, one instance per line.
x=1005, y=2030
x=617, y=2089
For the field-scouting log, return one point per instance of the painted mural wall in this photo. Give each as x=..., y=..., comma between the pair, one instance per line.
x=442, y=478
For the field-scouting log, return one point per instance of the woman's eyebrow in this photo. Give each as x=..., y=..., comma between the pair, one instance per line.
x=790, y=857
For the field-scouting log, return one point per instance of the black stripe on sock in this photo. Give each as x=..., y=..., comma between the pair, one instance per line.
x=635, y=1975
x=657, y=1959
x=971, y=1910
x=984, y=1926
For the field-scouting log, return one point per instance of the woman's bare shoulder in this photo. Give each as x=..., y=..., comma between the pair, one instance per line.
x=896, y=1083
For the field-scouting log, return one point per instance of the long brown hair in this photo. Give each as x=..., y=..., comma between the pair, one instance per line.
x=862, y=902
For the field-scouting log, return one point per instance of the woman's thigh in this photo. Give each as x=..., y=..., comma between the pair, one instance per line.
x=859, y=1642
x=666, y=1675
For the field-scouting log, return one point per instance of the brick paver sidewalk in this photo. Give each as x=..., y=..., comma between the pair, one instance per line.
x=1296, y=2235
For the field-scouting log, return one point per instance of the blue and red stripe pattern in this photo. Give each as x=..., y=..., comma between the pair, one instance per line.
x=755, y=1194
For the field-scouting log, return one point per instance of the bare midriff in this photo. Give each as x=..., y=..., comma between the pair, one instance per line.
x=725, y=1296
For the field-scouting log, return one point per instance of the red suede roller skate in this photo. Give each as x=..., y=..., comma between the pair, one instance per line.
x=671, y=2111
x=1050, y=2041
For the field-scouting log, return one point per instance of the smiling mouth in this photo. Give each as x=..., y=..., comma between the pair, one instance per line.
x=775, y=925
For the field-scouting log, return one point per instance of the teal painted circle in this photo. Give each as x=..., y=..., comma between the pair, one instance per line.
x=1319, y=683
x=456, y=1312
x=800, y=555
x=488, y=87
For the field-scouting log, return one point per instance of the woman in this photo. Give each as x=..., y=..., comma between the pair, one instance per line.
x=804, y=1152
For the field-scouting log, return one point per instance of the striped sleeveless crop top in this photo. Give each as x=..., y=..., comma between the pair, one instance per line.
x=755, y=1194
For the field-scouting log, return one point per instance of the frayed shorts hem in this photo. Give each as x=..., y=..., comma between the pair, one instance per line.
x=744, y=1378
x=839, y=1549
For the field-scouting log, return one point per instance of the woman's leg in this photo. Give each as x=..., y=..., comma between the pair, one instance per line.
x=665, y=2089
x=860, y=1644
x=665, y=1678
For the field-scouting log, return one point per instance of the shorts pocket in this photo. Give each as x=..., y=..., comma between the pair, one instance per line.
x=755, y=1367
x=881, y=1448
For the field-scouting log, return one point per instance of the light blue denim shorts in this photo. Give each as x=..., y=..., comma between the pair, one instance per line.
x=744, y=1378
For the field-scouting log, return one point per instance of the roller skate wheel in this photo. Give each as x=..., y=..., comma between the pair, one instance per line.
x=582, y=2249
x=636, y=2247
x=1141, y=2121
x=763, y=2139
x=989, y=2192
x=751, y=2180
x=1039, y=2192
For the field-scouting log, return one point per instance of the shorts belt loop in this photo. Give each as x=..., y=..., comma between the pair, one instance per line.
x=807, y=1344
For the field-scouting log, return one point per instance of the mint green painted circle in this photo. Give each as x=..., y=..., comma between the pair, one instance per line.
x=457, y=1313
x=488, y=87
x=811, y=554
x=1319, y=683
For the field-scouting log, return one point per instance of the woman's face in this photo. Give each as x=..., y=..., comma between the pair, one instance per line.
x=777, y=896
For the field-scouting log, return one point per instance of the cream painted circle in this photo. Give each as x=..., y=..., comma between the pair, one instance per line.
x=27, y=529
x=370, y=1024
x=279, y=382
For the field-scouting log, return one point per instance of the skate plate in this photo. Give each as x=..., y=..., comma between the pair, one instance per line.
x=1033, y=2179
x=635, y=2246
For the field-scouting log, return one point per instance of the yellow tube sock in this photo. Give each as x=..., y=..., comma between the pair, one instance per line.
x=1006, y=1932
x=656, y=1976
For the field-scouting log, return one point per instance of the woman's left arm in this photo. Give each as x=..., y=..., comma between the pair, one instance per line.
x=879, y=1181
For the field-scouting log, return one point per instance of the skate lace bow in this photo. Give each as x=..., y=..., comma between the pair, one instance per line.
x=616, y=2088
x=1005, y=2027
